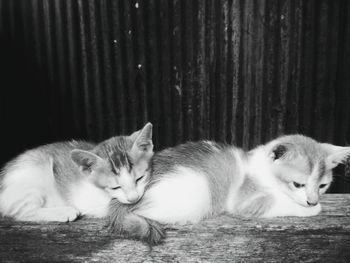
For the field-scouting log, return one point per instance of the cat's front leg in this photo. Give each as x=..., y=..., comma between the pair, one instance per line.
x=292, y=209
x=312, y=211
x=58, y=214
x=256, y=206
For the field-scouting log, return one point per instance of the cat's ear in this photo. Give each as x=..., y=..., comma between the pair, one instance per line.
x=85, y=160
x=142, y=141
x=335, y=154
x=278, y=151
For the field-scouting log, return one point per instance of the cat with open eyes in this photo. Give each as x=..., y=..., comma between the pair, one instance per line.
x=195, y=180
x=59, y=181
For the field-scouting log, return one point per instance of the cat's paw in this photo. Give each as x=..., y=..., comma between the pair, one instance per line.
x=56, y=214
x=72, y=214
x=65, y=214
x=256, y=207
x=156, y=232
x=312, y=211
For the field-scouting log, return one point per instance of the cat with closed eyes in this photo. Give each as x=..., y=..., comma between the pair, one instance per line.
x=195, y=180
x=59, y=181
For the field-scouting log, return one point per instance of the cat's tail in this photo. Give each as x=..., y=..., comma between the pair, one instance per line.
x=122, y=220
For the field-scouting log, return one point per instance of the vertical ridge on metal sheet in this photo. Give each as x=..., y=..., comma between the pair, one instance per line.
x=117, y=61
x=141, y=63
x=73, y=67
x=177, y=76
x=234, y=79
x=166, y=117
x=188, y=71
x=107, y=89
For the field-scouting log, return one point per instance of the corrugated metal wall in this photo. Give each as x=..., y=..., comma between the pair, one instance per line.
x=234, y=70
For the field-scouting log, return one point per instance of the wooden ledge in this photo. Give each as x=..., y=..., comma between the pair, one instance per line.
x=324, y=238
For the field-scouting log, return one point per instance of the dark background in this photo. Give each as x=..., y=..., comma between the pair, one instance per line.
x=237, y=71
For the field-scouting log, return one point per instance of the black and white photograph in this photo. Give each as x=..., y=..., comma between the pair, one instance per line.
x=175, y=131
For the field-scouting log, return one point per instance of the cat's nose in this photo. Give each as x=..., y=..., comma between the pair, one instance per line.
x=133, y=197
x=312, y=203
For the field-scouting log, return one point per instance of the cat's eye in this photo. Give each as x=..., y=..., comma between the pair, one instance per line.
x=115, y=188
x=138, y=179
x=323, y=185
x=297, y=185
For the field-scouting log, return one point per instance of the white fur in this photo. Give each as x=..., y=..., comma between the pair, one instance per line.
x=89, y=199
x=29, y=193
x=284, y=205
x=27, y=187
x=184, y=195
x=212, y=145
x=178, y=198
x=57, y=213
x=259, y=167
x=238, y=180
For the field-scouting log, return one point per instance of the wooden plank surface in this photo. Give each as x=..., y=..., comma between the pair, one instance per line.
x=324, y=238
